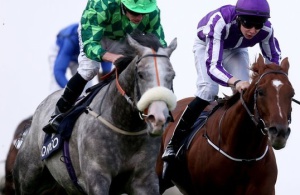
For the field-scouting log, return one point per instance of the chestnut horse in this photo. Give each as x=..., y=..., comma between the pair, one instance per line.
x=11, y=155
x=233, y=152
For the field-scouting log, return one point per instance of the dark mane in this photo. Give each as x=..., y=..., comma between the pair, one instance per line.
x=230, y=100
x=145, y=39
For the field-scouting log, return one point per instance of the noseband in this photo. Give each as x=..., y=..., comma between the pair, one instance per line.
x=259, y=122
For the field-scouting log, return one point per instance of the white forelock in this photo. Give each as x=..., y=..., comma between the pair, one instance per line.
x=157, y=94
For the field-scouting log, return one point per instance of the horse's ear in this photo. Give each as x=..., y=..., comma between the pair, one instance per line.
x=258, y=66
x=133, y=43
x=171, y=47
x=260, y=60
x=285, y=65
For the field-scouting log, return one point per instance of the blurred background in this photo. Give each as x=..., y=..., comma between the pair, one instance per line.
x=28, y=30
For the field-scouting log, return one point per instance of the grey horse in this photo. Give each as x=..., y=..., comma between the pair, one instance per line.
x=114, y=145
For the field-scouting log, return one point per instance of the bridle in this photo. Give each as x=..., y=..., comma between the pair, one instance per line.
x=129, y=100
x=259, y=122
x=154, y=55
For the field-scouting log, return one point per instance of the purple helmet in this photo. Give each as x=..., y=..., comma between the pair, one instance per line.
x=253, y=8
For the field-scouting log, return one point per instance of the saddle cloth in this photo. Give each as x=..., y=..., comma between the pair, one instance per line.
x=53, y=142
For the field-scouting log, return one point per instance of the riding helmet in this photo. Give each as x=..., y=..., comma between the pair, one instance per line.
x=258, y=8
x=140, y=6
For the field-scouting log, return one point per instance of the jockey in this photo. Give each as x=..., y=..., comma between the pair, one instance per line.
x=64, y=55
x=221, y=57
x=103, y=24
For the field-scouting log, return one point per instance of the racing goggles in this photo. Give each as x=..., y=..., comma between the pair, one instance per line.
x=250, y=24
x=133, y=13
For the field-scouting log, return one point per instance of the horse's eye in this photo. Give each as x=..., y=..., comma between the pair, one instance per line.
x=141, y=75
x=260, y=92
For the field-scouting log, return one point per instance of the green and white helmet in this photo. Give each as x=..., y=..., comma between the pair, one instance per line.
x=140, y=6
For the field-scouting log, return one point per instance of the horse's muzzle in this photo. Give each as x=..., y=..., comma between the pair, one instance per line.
x=278, y=136
x=158, y=117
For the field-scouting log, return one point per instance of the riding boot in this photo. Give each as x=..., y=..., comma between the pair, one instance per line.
x=71, y=93
x=188, y=118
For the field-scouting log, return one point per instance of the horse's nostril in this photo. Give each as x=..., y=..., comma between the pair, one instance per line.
x=151, y=118
x=280, y=132
x=285, y=134
x=273, y=130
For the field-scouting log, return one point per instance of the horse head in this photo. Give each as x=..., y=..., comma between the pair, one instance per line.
x=273, y=95
x=148, y=78
x=153, y=81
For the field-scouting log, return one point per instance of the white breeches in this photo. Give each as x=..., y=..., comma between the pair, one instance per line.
x=88, y=68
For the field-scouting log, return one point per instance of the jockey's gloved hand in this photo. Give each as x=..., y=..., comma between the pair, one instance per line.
x=241, y=85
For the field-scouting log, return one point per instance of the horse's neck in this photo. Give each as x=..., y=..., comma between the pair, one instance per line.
x=115, y=106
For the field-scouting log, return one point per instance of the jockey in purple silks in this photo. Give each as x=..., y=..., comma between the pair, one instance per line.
x=221, y=57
